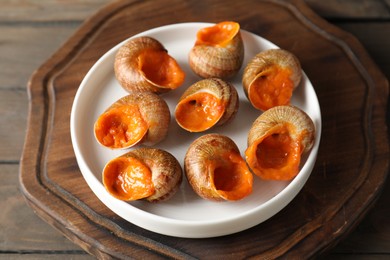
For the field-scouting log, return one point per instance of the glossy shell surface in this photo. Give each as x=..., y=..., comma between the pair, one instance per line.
x=138, y=64
x=264, y=66
x=166, y=173
x=222, y=92
x=211, y=162
x=276, y=141
x=151, y=123
x=222, y=60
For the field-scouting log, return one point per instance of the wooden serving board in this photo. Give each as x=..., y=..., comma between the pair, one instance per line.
x=348, y=176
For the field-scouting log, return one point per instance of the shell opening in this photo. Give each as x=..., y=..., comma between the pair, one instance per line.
x=232, y=178
x=127, y=178
x=161, y=69
x=272, y=87
x=120, y=127
x=276, y=156
x=199, y=112
x=218, y=35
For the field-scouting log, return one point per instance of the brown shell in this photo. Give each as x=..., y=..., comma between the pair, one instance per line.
x=126, y=66
x=299, y=125
x=264, y=60
x=154, y=111
x=281, y=115
x=166, y=171
x=203, y=157
x=214, y=61
x=222, y=90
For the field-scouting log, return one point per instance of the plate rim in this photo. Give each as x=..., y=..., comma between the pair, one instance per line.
x=188, y=225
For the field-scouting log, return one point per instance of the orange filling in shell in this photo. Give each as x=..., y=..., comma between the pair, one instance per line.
x=272, y=88
x=276, y=156
x=161, y=69
x=120, y=127
x=199, y=112
x=127, y=178
x=218, y=35
x=232, y=178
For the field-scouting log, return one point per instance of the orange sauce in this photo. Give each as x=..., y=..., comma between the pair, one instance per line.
x=120, y=127
x=218, y=35
x=232, y=178
x=199, y=112
x=160, y=68
x=127, y=178
x=275, y=157
x=273, y=88
x=274, y=150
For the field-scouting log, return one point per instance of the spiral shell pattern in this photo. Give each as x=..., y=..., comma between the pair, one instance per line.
x=276, y=65
x=138, y=65
x=276, y=141
x=224, y=60
x=215, y=169
x=140, y=117
x=126, y=183
x=219, y=109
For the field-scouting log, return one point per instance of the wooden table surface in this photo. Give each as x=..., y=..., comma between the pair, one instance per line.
x=32, y=30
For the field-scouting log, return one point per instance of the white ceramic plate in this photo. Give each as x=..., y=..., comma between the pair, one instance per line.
x=186, y=214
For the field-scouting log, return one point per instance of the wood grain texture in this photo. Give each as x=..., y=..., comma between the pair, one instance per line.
x=15, y=219
x=343, y=184
x=39, y=11
x=373, y=233
x=351, y=9
x=13, y=123
x=372, y=41
x=46, y=255
x=17, y=64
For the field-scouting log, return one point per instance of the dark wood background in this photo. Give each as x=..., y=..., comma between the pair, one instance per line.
x=32, y=30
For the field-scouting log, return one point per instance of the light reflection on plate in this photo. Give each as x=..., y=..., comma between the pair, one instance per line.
x=186, y=214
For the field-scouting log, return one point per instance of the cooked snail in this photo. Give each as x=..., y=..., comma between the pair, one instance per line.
x=140, y=117
x=143, y=173
x=215, y=169
x=218, y=51
x=207, y=103
x=143, y=64
x=276, y=141
x=270, y=78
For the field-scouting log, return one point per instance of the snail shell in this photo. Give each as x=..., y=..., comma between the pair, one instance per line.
x=207, y=103
x=218, y=51
x=276, y=141
x=143, y=64
x=140, y=117
x=270, y=78
x=215, y=169
x=143, y=173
